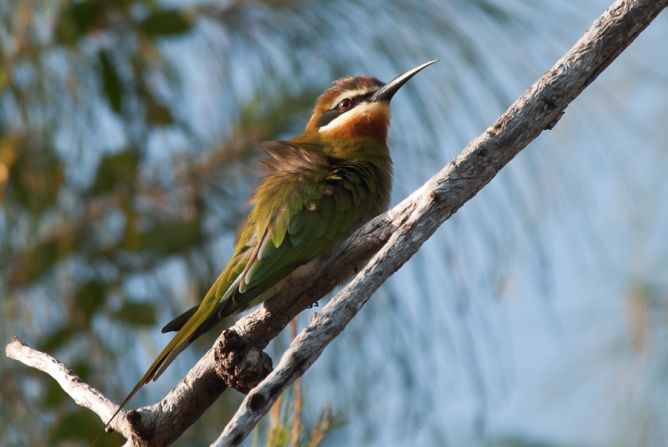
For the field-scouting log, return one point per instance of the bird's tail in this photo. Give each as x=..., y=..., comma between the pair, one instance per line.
x=199, y=320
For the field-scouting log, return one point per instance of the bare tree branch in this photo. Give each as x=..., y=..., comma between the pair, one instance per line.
x=81, y=393
x=394, y=236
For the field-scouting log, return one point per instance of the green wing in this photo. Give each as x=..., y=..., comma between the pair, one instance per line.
x=307, y=203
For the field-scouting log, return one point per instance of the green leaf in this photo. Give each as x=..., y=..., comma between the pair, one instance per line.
x=116, y=169
x=82, y=368
x=75, y=426
x=4, y=78
x=168, y=238
x=165, y=23
x=76, y=20
x=35, y=179
x=82, y=427
x=90, y=298
x=39, y=259
x=54, y=395
x=57, y=338
x=157, y=113
x=111, y=82
x=137, y=314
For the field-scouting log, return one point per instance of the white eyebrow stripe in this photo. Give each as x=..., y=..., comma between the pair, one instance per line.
x=350, y=94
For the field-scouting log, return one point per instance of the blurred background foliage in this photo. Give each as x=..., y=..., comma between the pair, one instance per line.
x=128, y=133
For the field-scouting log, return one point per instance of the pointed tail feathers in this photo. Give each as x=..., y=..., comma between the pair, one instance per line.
x=193, y=323
x=173, y=348
x=178, y=322
x=186, y=335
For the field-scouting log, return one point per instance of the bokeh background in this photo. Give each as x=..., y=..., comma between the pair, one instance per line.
x=536, y=316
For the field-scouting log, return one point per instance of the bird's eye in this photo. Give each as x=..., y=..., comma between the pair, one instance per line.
x=345, y=104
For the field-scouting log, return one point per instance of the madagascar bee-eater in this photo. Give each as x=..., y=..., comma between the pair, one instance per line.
x=317, y=189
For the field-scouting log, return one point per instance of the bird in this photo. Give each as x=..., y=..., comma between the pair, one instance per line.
x=316, y=190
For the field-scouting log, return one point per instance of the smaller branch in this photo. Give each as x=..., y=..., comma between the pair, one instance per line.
x=83, y=394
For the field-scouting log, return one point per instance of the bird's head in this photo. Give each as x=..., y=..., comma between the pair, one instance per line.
x=357, y=107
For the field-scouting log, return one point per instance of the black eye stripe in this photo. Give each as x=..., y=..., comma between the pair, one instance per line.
x=358, y=99
x=329, y=115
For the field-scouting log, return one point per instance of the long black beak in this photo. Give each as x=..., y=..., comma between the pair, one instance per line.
x=386, y=92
